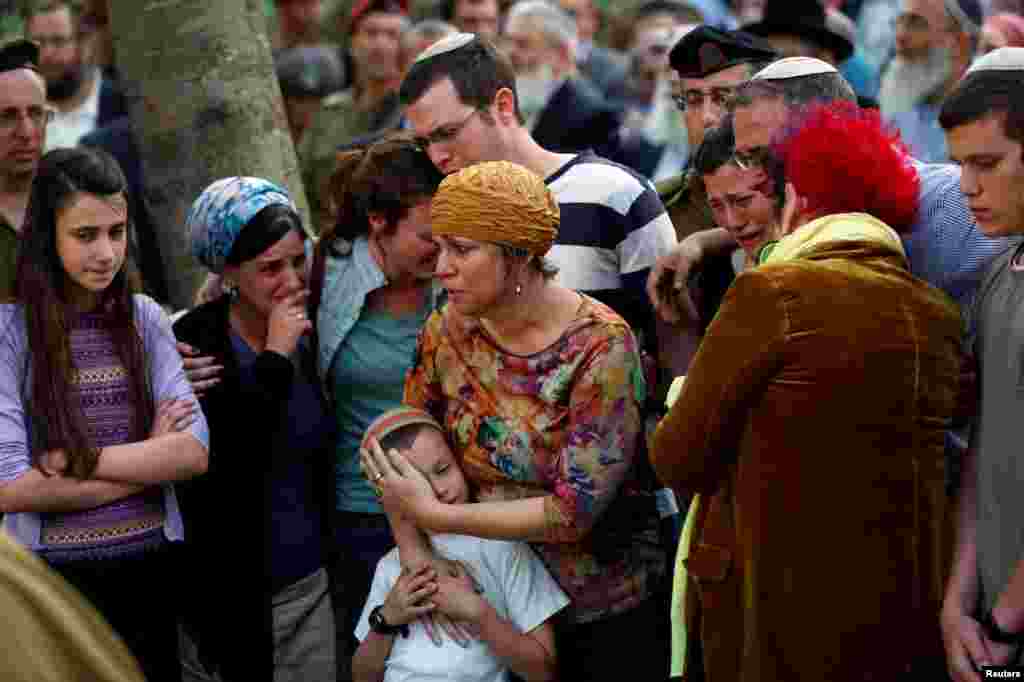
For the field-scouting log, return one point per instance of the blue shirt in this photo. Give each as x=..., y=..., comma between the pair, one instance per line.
x=945, y=247
x=922, y=133
x=861, y=76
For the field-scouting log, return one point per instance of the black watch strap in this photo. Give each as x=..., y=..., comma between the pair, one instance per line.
x=997, y=634
x=382, y=627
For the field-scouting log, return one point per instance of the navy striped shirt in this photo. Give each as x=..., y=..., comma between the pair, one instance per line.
x=613, y=228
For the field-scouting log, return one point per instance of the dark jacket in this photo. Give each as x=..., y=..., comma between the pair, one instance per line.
x=577, y=118
x=639, y=153
x=227, y=521
x=112, y=105
x=607, y=70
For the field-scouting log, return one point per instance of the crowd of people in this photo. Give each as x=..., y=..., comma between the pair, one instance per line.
x=676, y=340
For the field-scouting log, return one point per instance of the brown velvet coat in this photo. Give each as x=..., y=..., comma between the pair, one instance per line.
x=812, y=422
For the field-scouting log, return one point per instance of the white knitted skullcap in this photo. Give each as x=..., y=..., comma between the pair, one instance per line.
x=793, y=67
x=1002, y=59
x=446, y=44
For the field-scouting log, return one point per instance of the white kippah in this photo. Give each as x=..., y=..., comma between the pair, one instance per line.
x=1001, y=59
x=446, y=44
x=793, y=67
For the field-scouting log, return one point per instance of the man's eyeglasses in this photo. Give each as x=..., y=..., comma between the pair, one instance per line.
x=757, y=157
x=37, y=116
x=694, y=99
x=445, y=133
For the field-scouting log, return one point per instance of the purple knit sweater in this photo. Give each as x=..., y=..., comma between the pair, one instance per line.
x=101, y=386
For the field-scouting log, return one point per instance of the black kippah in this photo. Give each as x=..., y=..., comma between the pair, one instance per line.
x=19, y=54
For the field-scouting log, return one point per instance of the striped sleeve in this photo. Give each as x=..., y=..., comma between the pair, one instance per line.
x=613, y=228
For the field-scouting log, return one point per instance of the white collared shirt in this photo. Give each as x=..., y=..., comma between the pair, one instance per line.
x=68, y=127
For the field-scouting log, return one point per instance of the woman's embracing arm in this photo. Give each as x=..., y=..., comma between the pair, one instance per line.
x=602, y=439
x=166, y=369
x=604, y=424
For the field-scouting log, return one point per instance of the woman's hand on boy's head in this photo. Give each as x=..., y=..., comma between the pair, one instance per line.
x=400, y=486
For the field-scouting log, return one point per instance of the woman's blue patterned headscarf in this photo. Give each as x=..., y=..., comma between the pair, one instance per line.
x=222, y=210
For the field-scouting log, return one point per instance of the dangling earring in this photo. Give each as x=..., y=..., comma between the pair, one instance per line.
x=519, y=290
x=231, y=290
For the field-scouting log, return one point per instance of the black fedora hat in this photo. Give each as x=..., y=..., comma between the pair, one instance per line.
x=803, y=19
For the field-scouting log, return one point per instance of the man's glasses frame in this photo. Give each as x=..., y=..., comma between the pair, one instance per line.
x=445, y=133
x=694, y=99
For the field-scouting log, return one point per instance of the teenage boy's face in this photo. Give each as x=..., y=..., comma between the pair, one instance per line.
x=433, y=458
x=992, y=174
x=738, y=203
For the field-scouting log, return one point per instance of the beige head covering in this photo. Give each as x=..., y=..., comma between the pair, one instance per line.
x=497, y=202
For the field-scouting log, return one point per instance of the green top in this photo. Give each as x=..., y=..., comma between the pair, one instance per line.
x=686, y=203
x=367, y=379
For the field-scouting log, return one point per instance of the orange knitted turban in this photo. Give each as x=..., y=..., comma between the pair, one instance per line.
x=497, y=202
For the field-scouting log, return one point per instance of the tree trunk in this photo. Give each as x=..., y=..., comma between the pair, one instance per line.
x=205, y=104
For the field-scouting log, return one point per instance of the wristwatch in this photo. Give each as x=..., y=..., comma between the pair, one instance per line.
x=382, y=627
x=997, y=634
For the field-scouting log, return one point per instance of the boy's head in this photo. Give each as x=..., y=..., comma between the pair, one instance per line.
x=984, y=123
x=744, y=201
x=416, y=435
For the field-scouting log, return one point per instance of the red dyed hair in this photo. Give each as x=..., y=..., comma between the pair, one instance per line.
x=844, y=159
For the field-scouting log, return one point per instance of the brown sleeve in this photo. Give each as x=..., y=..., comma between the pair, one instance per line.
x=739, y=355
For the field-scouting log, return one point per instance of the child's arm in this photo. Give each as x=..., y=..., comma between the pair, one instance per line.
x=406, y=602
x=531, y=655
x=370, y=659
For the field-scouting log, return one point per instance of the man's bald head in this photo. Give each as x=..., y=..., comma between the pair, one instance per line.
x=23, y=117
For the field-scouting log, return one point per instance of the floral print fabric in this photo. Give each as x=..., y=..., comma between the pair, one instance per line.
x=562, y=423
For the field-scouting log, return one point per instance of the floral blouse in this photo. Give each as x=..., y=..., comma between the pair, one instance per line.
x=562, y=423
